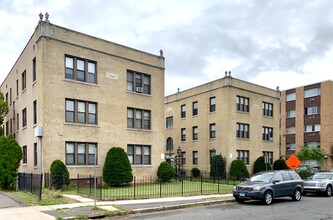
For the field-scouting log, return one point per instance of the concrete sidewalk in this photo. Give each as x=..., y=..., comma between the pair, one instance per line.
x=85, y=206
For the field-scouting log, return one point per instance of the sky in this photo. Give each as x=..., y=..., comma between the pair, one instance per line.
x=285, y=43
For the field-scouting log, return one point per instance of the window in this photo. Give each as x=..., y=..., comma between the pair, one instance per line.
x=212, y=154
x=312, y=128
x=267, y=134
x=81, y=112
x=291, y=97
x=139, y=154
x=35, y=112
x=212, y=130
x=242, y=104
x=25, y=154
x=169, y=122
x=291, y=146
x=311, y=92
x=10, y=96
x=183, y=157
x=268, y=155
x=138, y=118
x=183, y=111
x=17, y=87
x=6, y=99
x=24, y=80
x=183, y=134
x=312, y=110
x=7, y=128
x=195, y=158
x=267, y=109
x=138, y=82
x=35, y=155
x=79, y=153
x=242, y=130
x=243, y=155
x=80, y=69
x=17, y=122
x=195, y=133
x=290, y=130
x=195, y=108
x=24, y=117
x=315, y=144
x=34, y=72
x=291, y=114
x=212, y=104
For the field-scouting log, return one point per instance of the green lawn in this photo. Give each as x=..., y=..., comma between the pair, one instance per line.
x=158, y=190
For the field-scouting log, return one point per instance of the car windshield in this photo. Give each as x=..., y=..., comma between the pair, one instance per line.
x=264, y=177
x=322, y=176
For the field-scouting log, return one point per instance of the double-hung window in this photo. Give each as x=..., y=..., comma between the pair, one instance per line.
x=212, y=104
x=242, y=130
x=183, y=134
x=195, y=158
x=183, y=111
x=83, y=112
x=139, y=154
x=268, y=155
x=81, y=153
x=243, y=155
x=267, y=134
x=195, y=133
x=195, y=108
x=24, y=80
x=312, y=128
x=24, y=117
x=138, y=82
x=80, y=69
x=267, y=109
x=242, y=104
x=138, y=118
x=212, y=130
x=169, y=122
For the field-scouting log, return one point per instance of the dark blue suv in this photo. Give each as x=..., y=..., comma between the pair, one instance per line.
x=266, y=186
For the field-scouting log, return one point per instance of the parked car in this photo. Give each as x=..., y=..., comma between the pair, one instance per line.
x=321, y=182
x=266, y=186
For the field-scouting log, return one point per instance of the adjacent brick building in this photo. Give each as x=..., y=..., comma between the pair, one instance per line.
x=231, y=117
x=70, y=93
x=307, y=119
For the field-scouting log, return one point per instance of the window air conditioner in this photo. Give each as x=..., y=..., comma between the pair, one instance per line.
x=138, y=89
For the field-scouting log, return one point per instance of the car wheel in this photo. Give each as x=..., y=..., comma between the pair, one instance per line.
x=268, y=198
x=297, y=195
x=240, y=200
x=328, y=191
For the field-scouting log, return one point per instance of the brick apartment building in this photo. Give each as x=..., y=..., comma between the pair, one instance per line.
x=307, y=119
x=231, y=117
x=70, y=93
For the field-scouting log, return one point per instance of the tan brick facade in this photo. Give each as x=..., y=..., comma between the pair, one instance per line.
x=50, y=44
x=314, y=110
x=225, y=117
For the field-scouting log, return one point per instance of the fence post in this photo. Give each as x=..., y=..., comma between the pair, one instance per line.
x=182, y=179
x=201, y=184
x=40, y=186
x=77, y=184
x=31, y=182
x=134, y=186
x=101, y=183
x=161, y=188
x=90, y=185
x=218, y=186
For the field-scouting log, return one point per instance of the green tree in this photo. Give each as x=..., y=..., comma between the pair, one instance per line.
x=310, y=153
x=280, y=164
x=238, y=169
x=59, y=174
x=10, y=157
x=3, y=111
x=260, y=165
x=195, y=172
x=165, y=172
x=117, y=168
x=217, y=167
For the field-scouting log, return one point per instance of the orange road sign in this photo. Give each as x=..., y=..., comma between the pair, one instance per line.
x=293, y=162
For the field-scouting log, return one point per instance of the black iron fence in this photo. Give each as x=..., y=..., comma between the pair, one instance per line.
x=29, y=182
x=152, y=187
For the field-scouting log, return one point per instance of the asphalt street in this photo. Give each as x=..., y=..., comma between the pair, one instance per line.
x=7, y=202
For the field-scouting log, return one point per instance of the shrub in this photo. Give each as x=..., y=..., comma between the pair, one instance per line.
x=59, y=174
x=280, y=164
x=218, y=163
x=117, y=168
x=10, y=157
x=195, y=172
x=260, y=165
x=165, y=172
x=305, y=171
x=238, y=169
